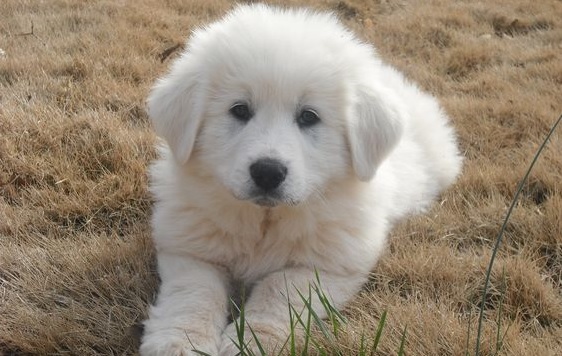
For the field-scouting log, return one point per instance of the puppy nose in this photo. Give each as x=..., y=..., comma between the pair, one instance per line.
x=268, y=173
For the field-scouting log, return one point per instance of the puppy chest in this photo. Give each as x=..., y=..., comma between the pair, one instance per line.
x=264, y=247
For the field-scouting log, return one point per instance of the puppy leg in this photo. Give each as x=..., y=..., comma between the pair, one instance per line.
x=267, y=310
x=191, y=310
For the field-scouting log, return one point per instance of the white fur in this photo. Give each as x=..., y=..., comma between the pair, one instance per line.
x=382, y=150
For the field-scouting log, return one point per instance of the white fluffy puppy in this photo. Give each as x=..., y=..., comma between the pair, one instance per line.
x=292, y=148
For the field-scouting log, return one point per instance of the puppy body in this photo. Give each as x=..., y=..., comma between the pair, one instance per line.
x=381, y=150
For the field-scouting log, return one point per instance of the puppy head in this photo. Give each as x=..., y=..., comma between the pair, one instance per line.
x=277, y=105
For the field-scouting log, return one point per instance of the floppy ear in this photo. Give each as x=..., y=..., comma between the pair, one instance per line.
x=176, y=105
x=374, y=130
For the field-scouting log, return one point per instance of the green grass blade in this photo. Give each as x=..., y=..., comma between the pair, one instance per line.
x=335, y=317
x=258, y=343
x=308, y=334
x=201, y=353
x=307, y=325
x=505, y=334
x=194, y=349
x=292, y=345
x=362, y=350
x=378, y=334
x=402, y=342
x=500, y=312
x=317, y=320
x=239, y=325
x=501, y=232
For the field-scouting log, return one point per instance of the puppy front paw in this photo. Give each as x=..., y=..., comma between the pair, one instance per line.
x=175, y=345
x=170, y=347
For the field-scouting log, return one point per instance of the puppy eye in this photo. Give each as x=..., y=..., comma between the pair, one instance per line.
x=307, y=118
x=241, y=111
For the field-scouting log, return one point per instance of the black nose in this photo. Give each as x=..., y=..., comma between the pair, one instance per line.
x=268, y=173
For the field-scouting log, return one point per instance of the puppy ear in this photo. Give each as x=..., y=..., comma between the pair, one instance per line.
x=176, y=107
x=374, y=130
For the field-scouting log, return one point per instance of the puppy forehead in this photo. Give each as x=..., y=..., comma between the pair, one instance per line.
x=288, y=55
x=261, y=24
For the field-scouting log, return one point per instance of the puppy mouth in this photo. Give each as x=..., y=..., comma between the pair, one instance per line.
x=270, y=199
x=266, y=201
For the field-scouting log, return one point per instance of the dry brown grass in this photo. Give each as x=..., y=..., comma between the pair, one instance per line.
x=76, y=262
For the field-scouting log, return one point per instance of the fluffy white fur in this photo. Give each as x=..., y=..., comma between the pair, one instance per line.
x=382, y=149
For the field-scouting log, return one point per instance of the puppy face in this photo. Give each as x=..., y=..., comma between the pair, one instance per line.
x=273, y=131
x=276, y=107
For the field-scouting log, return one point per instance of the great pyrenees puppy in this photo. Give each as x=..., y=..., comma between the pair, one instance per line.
x=291, y=150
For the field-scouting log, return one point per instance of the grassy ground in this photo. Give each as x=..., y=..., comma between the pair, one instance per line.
x=76, y=262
